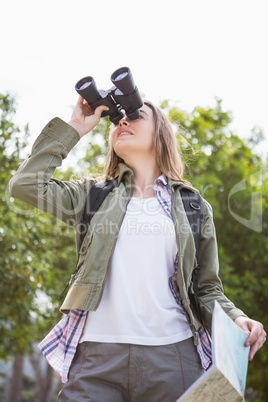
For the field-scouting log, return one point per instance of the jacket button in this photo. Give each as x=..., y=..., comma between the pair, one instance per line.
x=83, y=249
x=50, y=125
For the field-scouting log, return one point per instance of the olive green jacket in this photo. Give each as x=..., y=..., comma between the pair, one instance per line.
x=33, y=184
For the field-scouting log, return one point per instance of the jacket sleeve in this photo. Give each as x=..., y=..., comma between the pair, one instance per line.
x=33, y=182
x=209, y=284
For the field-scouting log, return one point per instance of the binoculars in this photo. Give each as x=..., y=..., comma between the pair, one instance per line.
x=123, y=95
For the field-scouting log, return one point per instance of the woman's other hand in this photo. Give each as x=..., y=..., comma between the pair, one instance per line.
x=84, y=119
x=257, y=335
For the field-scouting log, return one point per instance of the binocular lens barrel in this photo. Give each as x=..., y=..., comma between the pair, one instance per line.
x=123, y=80
x=84, y=82
x=86, y=87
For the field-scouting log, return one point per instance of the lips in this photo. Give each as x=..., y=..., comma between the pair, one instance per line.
x=124, y=132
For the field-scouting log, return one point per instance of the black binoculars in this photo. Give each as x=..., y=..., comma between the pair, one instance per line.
x=123, y=95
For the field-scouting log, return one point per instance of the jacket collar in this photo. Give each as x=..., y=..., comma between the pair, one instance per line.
x=124, y=173
x=173, y=184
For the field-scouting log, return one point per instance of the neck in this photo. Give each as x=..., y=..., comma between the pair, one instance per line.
x=145, y=175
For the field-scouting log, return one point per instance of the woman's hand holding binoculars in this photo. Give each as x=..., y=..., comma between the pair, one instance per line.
x=84, y=119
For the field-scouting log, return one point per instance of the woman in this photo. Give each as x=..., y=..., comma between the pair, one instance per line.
x=130, y=332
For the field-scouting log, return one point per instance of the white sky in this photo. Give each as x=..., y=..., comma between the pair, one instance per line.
x=186, y=50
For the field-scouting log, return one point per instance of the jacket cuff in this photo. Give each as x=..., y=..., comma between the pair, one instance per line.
x=62, y=132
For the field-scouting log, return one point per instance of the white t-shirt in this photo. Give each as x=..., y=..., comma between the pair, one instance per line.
x=137, y=305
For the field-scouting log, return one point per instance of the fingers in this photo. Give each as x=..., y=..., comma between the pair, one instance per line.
x=84, y=118
x=257, y=334
x=256, y=338
x=255, y=329
x=80, y=100
x=255, y=347
x=81, y=103
x=99, y=110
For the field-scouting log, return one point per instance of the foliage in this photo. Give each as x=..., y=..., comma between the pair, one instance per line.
x=33, y=267
x=234, y=179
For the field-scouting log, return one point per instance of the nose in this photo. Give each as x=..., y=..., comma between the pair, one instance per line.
x=124, y=121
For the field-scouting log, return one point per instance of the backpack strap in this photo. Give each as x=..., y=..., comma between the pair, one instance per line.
x=95, y=198
x=193, y=205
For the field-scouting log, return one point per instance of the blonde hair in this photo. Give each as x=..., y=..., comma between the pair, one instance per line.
x=167, y=152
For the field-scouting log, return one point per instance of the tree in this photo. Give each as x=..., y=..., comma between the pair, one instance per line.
x=234, y=179
x=33, y=267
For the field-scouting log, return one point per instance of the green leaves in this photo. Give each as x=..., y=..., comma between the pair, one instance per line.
x=234, y=179
x=33, y=266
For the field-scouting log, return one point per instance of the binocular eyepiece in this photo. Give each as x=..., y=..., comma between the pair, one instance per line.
x=123, y=95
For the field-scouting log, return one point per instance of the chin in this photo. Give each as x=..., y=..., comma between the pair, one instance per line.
x=122, y=150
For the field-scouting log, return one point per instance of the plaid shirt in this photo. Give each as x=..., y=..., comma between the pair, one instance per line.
x=59, y=346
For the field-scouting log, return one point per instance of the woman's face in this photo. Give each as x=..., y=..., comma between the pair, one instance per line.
x=132, y=137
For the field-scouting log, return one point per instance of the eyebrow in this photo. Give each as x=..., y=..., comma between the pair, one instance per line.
x=143, y=112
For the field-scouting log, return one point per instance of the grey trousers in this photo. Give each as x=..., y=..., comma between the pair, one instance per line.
x=108, y=372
